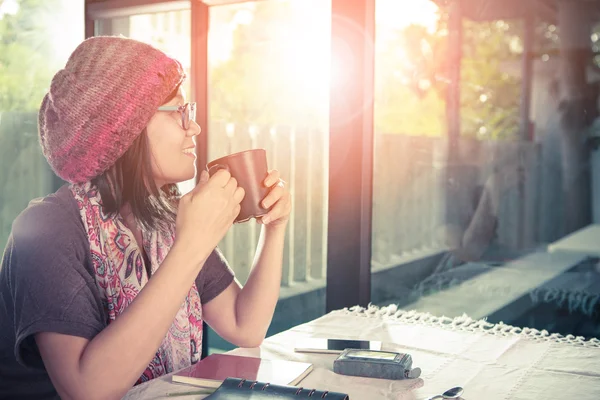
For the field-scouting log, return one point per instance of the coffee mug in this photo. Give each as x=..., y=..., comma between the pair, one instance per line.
x=249, y=168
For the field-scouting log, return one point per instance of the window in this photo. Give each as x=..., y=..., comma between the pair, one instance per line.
x=462, y=217
x=32, y=49
x=268, y=88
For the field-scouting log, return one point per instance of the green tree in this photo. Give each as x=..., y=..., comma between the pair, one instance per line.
x=403, y=76
x=27, y=60
x=267, y=79
x=257, y=85
x=490, y=94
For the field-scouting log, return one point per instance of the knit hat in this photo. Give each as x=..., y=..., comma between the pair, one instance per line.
x=100, y=102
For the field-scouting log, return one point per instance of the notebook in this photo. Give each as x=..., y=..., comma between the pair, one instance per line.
x=214, y=369
x=241, y=389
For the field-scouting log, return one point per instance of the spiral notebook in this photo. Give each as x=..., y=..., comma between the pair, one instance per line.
x=211, y=371
x=242, y=389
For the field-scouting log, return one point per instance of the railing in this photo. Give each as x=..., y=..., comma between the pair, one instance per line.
x=301, y=157
x=408, y=197
x=410, y=190
x=411, y=183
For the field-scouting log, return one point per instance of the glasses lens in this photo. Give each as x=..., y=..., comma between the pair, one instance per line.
x=190, y=114
x=185, y=117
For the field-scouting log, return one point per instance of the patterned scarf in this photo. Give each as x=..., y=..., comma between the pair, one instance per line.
x=120, y=275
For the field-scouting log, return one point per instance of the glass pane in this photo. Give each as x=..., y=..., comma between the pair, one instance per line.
x=408, y=202
x=470, y=227
x=268, y=88
x=32, y=49
x=168, y=31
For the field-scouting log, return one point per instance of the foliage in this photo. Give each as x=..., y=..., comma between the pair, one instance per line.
x=261, y=83
x=411, y=70
x=27, y=62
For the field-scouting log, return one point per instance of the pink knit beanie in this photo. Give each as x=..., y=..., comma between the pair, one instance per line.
x=100, y=102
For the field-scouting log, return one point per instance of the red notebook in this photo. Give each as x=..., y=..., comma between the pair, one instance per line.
x=214, y=369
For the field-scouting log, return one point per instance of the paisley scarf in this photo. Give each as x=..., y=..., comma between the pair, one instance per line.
x=120, y=274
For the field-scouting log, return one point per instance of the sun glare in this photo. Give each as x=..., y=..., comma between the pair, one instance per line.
x=309, y=53
x=399, y=14
x=306, y=59
x=64, y=37
x=389, y=15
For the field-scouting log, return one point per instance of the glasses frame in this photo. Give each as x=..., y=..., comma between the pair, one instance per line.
x=190, y=108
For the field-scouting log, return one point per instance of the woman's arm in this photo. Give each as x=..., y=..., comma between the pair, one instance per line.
x=107, y=366
x=242, y=316
x=480, y=232
x=482, y=228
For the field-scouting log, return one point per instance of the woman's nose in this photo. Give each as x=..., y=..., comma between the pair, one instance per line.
x=194, y=129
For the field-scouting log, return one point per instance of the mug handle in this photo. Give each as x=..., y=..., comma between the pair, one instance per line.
x=217, y=166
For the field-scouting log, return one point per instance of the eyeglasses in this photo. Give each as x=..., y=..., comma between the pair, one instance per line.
x=187, y=111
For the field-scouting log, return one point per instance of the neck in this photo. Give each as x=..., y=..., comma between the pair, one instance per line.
x=126, y=211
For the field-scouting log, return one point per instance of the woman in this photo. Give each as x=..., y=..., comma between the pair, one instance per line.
x=105, y=283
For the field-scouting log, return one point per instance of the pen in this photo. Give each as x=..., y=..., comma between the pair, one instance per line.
x=194, y=392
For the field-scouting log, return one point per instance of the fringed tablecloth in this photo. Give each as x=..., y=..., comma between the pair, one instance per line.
x=490, y=361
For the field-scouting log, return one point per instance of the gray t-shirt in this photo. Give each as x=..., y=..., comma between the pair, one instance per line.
x=47, y=285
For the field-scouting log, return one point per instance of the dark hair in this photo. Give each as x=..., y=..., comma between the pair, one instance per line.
x=130, y=180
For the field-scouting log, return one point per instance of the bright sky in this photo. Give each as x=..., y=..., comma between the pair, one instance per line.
x=389, y=14
x=10, y=7
x=402, y=13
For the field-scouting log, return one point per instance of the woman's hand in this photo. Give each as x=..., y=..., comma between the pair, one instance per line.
x=278, y=200
x=207, y=212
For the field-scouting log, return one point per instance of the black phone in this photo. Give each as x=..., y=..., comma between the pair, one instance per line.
x=333, y=346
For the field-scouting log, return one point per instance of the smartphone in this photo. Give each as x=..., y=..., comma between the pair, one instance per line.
x=333, y=346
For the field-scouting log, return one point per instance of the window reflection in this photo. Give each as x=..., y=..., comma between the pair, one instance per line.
x=463, y=226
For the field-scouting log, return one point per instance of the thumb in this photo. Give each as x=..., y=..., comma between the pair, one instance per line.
x=203, y=176
x=203, y=179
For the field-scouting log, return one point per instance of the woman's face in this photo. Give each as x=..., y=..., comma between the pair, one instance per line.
x=172, y=148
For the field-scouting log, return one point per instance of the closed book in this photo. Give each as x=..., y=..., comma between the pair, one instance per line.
x=241, y=389
x=214, y=369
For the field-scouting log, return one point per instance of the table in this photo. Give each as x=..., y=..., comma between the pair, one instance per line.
x=490, y=361
x=584, y=240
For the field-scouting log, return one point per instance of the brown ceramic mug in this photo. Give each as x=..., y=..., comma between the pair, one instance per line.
x=249, y=168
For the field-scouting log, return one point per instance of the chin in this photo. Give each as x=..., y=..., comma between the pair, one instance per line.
x=190, y=174
x=179, y=178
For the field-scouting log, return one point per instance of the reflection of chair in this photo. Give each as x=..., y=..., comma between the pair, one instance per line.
x=567, y=304
x=449, y=273
x=498, y=292
x=577, y=290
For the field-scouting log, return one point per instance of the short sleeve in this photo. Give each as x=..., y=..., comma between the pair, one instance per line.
x=50, y=281
x=214, y=277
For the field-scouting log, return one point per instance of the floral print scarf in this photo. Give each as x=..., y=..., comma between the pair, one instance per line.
x=120, y=274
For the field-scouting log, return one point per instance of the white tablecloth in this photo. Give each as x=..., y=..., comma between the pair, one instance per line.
x=489, y=361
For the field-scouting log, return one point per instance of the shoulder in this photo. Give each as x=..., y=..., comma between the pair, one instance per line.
x=55, y=216
x=49, y=227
